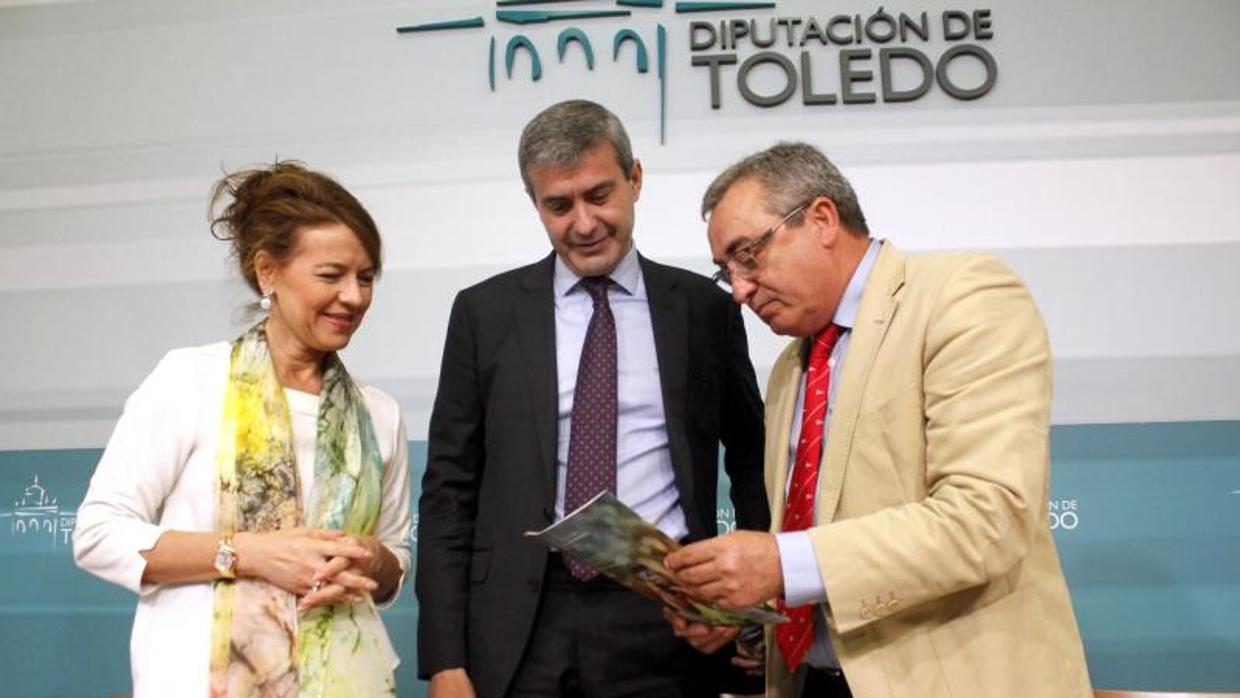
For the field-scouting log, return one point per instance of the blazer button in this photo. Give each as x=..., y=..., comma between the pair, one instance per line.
x=533, y=583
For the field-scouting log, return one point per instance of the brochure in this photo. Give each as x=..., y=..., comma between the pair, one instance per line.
x=613, y=539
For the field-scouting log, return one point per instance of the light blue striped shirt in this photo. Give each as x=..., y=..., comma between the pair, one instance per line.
x=803, y=582
x=644, y=477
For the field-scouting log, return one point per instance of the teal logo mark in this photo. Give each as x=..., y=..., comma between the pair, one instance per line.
x=577, y=40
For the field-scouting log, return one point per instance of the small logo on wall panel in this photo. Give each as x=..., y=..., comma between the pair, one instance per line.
x=37, y=513
x=1064, y=514
x=850, y=45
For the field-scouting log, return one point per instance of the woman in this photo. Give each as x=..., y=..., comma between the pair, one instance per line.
x=254, y=495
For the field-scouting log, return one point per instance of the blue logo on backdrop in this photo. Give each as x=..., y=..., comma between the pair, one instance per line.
x=906, y=72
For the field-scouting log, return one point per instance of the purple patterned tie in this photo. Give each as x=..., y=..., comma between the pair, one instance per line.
x=592, y=434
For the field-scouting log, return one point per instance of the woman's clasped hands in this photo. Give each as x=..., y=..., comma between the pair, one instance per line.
x=322, y=566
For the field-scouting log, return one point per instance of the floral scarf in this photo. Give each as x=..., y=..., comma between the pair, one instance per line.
x=260, y=645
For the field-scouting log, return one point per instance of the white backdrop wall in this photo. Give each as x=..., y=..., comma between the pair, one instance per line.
x=1104, y=164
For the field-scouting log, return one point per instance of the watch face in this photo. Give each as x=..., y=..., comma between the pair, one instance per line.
x=224, y=560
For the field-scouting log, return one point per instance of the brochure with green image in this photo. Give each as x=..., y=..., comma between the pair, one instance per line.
x=613, y=539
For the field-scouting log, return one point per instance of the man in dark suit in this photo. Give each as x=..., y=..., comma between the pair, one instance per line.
x=592, y=369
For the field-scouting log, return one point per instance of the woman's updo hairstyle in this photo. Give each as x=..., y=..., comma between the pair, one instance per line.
x=269, y=204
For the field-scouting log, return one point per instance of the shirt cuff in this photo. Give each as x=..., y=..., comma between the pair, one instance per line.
x=803, y=583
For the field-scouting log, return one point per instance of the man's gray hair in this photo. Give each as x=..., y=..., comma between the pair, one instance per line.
x=563, y=133
x=793, y=174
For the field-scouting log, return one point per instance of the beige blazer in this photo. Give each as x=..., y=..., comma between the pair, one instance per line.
x=932, y=533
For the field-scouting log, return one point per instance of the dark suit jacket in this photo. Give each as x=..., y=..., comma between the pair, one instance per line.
x=491, y=465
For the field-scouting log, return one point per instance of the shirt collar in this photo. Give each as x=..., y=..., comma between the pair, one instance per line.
x=850, y=303
x=626, y=276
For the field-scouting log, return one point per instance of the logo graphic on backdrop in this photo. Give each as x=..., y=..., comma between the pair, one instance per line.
x=828, y=59
x=1065, y=514
x=37, y=513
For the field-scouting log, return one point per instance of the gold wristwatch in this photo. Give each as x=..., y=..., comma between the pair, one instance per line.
x=226, y=557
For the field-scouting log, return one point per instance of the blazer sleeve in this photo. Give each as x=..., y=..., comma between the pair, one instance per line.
x=119, y=518
x=986, y=399
x=392, y=529
x=448, y=504
x=742, y=428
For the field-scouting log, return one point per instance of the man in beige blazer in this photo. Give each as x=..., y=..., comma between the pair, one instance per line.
x=928, y=560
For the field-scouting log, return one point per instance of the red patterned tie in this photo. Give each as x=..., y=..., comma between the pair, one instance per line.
x=795, y=636
x=592, y=429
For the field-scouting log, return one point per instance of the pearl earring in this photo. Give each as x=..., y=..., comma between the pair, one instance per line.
x=265, y=301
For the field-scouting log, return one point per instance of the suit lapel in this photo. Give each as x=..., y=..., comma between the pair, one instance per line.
x=534, y=317
x=781, y=402
x=669, y=318
x=878, y=304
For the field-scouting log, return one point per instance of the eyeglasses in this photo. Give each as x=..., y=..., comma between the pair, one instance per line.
x=743, y=261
